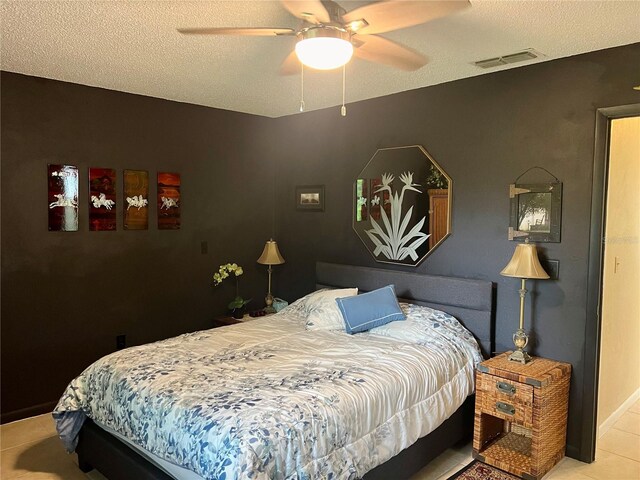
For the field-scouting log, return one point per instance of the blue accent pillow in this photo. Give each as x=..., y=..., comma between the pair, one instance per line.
x=368, y=310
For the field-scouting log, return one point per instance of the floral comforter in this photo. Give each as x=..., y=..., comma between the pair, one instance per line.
x=268, y=399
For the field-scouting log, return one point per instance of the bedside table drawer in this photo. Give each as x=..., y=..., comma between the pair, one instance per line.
x=505, y=399
x=517, y=413
x=505, y=390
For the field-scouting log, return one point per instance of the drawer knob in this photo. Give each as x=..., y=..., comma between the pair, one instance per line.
x=506, y=388
x=505, y=408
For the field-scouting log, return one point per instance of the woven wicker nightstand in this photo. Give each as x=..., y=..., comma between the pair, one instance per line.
x=521, y=414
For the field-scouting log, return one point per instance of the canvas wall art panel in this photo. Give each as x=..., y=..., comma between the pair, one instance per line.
x=136, y=199
x=62, y=183
x=169, y=202
x=102, y=199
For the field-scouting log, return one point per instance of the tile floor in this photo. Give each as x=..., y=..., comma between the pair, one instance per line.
x=31, y=450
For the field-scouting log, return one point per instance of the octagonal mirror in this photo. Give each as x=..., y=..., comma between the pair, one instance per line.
x=402, y=205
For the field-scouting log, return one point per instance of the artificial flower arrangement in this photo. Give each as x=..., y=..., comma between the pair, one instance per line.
x=226, y=271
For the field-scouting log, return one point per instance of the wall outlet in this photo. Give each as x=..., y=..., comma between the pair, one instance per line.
x=121, y=342
x=552, y=267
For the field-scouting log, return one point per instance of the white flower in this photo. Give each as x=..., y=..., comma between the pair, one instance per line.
x=375, y=200
x=407, y=179
x=225, y=270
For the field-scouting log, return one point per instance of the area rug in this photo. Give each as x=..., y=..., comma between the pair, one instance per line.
x=477, y=470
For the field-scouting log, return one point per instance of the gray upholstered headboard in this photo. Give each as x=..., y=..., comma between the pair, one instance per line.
x=470, y=301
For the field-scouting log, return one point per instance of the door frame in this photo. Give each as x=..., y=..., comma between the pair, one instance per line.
x=591, y=354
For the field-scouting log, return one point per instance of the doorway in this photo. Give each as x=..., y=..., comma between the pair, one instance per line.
x=619, y=375
x=602, y=246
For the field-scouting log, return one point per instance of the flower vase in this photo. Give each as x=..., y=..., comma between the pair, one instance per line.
x=238, y=313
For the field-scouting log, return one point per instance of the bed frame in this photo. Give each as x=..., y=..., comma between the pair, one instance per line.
x=470, y=301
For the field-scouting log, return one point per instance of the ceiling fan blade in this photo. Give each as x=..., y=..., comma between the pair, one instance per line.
x=291, y=65
x=254, y=32
x=393, y=15
x=382, y=50
x=313, y=11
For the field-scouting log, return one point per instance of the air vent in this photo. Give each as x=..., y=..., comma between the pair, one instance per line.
x=523, y=56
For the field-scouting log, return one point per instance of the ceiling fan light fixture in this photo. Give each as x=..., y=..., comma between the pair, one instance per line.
x=324, y=48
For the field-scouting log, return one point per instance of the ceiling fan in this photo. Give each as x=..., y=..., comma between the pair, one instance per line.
x=329, y=35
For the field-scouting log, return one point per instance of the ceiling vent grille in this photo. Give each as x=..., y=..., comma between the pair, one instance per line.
x=523, y=56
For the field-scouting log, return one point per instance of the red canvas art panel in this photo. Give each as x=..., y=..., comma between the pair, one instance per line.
x=169, y=203
x=136, y=199
x=102, y=199
x=63, y=197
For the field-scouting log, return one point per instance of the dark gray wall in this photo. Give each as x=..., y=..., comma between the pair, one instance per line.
x=484, y=131
x=66, y=295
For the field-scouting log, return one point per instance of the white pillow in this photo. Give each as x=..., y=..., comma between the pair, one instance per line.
x=324, y=313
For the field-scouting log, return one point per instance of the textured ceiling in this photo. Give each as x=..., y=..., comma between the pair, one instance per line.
x=133, y=46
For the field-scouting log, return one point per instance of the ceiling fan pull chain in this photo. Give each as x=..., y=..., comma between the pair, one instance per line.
x=301, y=87
x=343, y=110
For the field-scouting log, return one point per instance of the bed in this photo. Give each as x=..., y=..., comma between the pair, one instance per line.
x=470, y=301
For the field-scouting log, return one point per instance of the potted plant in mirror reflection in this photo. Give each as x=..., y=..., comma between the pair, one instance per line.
x=390, y=239
x=435, y=179
x=232, y=270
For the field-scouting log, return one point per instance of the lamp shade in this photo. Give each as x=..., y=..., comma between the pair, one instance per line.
x=525, y=263
x=271, y=254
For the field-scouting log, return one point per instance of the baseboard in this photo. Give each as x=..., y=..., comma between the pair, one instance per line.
x=605, y=426
x=7, y=417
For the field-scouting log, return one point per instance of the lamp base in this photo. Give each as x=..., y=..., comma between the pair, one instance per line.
x=520, y=340
x=520, y=356
x=268, y=301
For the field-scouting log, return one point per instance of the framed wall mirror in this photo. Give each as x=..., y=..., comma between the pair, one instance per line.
x=535, y=211
x=402, y=205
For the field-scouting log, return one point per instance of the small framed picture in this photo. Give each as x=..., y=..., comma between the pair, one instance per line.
x=310, y=198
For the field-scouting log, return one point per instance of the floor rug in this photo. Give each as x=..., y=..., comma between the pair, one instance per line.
x=477, y=470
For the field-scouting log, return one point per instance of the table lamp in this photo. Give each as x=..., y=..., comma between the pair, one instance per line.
x=270, y=256
x=524, y=265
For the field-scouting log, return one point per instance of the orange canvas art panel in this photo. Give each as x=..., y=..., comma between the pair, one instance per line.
x=136, y=199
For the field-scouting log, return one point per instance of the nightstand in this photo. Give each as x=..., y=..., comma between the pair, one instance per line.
x=224, y=320
x=521, y=414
